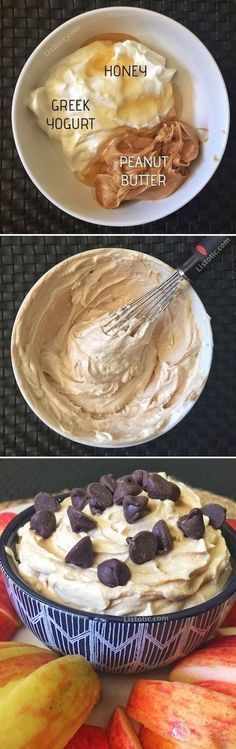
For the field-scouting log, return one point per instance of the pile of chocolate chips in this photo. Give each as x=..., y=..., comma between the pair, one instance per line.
x=125, y=491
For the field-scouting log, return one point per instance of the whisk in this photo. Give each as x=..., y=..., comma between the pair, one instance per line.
x=151, y=305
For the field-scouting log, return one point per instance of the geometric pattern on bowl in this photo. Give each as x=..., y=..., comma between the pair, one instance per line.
x=116, y=646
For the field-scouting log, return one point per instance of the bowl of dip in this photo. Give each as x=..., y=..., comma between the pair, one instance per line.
x=49, y=108
x=125, y=585
x=109, y=391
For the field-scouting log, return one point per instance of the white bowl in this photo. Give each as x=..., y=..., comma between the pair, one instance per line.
x=205, y=356
x=205, y=105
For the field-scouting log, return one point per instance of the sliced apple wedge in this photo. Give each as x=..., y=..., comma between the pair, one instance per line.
x=89, y=737
x=150, y=740
x=227, y=632
x=17, y=666
x=5, y=519
x=9, y=619
x=8, y=624
x=120, y=732
x=214, y=663
x=5, y=600
x=18, y=648
x=185, y=712
x=232, y=523
x=218, y=686
x=230, y=620
x=47, y=707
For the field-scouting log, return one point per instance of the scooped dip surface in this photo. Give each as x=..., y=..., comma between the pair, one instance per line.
x=137, y=545
x=95, y=387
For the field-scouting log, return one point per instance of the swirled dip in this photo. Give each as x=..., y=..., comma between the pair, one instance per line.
x=193, y=570
x=98, y=388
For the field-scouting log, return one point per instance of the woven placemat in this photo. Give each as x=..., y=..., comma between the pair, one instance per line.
x=24, y=24
x=209, y=429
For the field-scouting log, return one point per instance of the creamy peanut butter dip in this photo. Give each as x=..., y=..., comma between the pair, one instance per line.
x=192, y=572
x=93, y=387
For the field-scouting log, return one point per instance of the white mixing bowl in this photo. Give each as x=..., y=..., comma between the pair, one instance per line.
x=205, y=105
x=205, y=355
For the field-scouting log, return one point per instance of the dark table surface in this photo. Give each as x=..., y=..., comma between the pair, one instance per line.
x=27, y=477
x=25, y=23
x=209, y=429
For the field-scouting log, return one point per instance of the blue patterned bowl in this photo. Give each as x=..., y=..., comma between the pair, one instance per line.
x=118, y=644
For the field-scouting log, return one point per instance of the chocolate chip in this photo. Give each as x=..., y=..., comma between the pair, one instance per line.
x=140, y=477
x=142, y=547
x=44, y=523
x=133, y=507
x=163, y=537
x=216, y=514
x=81, y=554
x=125, y=486
x=108, y=481
x=99, y=498
x=159, y=488
x=80, y=521
x=44, y=501
x=112, y=572
x=192, y=524
x=79, y=498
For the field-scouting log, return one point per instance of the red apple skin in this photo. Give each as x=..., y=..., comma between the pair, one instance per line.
x=219, y=650
x=16, y=667
x=232, y=523
x=185, y=712
x=6, y=603
x=213, y=666
x=89, y=737
x=9, y=620
x=7, y=625
x=120, y=732
x=5, y=519
x=150, y=740
x=230, y=620
x=218, y=686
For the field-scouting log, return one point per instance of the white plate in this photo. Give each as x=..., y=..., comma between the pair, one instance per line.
x=205, y=105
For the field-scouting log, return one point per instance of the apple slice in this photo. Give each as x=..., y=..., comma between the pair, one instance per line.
x=8, y=625
x=7, y=649
x=5, y=602
x=5, y=518
x=150, y=740
x=230, y=620
x=232, y=523
x=8, y=614
x=120, y=731
x=47, y=707
x=227, y=632
x=218, y=686
x=216, y=662
x=185, y=712
x=17, y=666
x=89, y=737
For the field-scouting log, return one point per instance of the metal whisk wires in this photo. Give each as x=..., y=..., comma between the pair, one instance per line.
x=149, y=306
